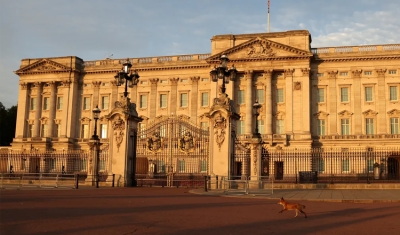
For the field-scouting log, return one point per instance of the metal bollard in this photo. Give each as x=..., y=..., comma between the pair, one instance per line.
x=113, y=177
x=77, y=182
x=205, y=183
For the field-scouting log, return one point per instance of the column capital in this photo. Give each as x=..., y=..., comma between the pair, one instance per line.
x=288, y=72
x=96, y=84
x=174, y=81
x=332, y=74
x=305, y=71
x=248, y=74
x=24, y=85
x=36, y=85
x=195, y=79
x=66, y=83
x=356, y=73
x=154, y=81
x=381, y=72
x=268, y=73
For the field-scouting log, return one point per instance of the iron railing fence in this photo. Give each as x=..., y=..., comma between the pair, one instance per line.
x=332, y=165
x=171, y=180
x=62, y=162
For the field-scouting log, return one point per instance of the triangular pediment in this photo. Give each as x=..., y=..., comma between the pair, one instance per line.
x=43, y=66
x=261, y=49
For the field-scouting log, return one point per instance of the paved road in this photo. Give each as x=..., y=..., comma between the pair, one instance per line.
x=167, y=211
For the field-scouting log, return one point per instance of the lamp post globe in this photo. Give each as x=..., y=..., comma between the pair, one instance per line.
x=126, y=75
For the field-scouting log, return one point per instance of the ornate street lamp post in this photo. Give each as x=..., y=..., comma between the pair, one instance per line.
x=222, y=72
x=256, y=108
x=131, y=77
x=96, y=114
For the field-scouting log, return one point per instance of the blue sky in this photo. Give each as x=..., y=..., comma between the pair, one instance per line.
x=95, y=29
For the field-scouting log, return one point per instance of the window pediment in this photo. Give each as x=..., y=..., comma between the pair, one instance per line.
x=321, y=114
x=394, y=112
x=345, y=113
x=370, y=113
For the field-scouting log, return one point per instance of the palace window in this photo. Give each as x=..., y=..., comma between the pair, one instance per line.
x=279, y=96
x=241, y=97
x=368, y=94
x=240, y=127
x=59, y=103
x=44, y=131
x=85, y=131
x=46, y=103
x=321, y=127
x=103, y=131
x=86, y=103
x=280, y=126
x=32, y=104
x=343, y=74
x=260, y=96
x=321, y=165
x=30, y=130
x=203, y=165
x=184, y=99
x=345, y=165
x=143, y=101
x=370, y=164
x=204, y=125
x=344, y=94
x=163, y=101
x=142, y=129
x=392, y=72
x=369, y=126
x=394, y=126
x=393, y=93
x=57, y=130
x=181, y=165
x=204, y=79
x=204, y=99
x=321, y=95
x=260, y=124
x=368, y=73
x=104, y=102
x=345, y=123
x=320, y=74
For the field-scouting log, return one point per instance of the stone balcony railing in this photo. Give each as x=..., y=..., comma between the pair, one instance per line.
x=148, y=60
x=357, y=137
x=355, y=49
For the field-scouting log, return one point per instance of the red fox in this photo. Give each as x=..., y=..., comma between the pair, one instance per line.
x=292, y=206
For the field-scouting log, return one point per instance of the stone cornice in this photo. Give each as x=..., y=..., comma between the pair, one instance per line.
x=150, y=69
x=347, y=59
x=45, y=66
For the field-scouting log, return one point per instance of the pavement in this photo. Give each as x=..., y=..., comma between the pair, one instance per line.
x=325, y=195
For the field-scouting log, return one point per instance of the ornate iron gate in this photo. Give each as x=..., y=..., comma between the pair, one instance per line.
x=172, y=151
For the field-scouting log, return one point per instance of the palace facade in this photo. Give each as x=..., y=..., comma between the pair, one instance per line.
x=331, y=97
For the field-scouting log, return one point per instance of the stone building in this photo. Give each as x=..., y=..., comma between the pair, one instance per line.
x=327, y=97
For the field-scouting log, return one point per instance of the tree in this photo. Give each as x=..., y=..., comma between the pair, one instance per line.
x=8, y=120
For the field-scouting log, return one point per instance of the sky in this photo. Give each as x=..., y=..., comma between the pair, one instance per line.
x=96, y=29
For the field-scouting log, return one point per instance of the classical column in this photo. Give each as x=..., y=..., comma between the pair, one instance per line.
x=65, y=87
x=174, y=94
x=249, y=102
x=194, y=101
x=22, y=110
x=114, y=92
x=268, y=101
x=153, y=98
x=52, y=110
x=38, y=112
x=332, y=103
x=357, y=120
x=96, y=91
x=381, y=101
x=305, y=88
x=289, y=100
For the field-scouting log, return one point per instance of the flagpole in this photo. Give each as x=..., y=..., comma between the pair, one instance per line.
x=268, y=14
